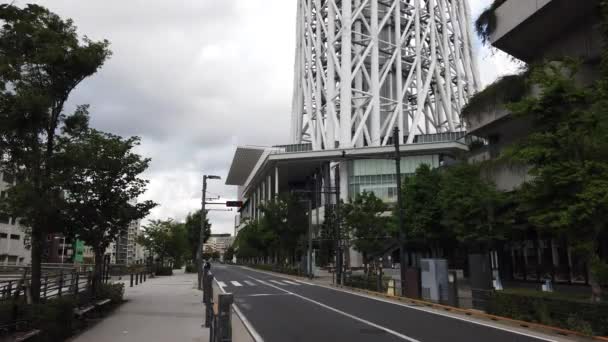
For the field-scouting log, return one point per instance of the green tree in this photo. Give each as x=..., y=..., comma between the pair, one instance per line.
x=193, y=230
x=249, y=243
x=179, y=248
x=422, y=208
x=229, y=254
x=42, y=60
x=156, y=238
x=568, y=155
x=365, y=224
x=472, y=207
x=102, y=188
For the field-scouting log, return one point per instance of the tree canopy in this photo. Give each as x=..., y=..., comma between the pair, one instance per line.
x=365, y=224
x=42, y=60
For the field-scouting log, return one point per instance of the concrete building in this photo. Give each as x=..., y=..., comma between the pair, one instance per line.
x=125, y=248
x=533, y=31
x=261, y=174
x=362, y=69
x=218, y=243
x=15, y=244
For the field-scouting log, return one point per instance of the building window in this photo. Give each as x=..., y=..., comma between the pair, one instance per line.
x=3, y=235
x=15, y=237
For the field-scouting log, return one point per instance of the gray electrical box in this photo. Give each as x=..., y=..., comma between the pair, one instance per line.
x=434, y=279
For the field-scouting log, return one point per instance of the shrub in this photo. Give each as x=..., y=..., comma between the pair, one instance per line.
x=190, y=268
x=55, y=318
x=366, y=282
x=164, y=271
x=114, y=292
x=551, y=309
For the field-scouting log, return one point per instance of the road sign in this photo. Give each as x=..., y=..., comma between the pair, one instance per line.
x=236, y=204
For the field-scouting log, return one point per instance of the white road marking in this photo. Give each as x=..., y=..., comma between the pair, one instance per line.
x=431, y=311
x=248, y=282
x=540, y=337
x=392, y=332
x=291, y=282
x=276, y=282
x=236, y=283
x=263, y=282
x=254, y=334
x=247, y=324
x=221, y=284
x=304, y=282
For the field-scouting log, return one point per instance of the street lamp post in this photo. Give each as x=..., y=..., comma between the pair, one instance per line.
x=202, y=230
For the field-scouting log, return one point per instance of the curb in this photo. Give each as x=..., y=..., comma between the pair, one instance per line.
x=472, y=313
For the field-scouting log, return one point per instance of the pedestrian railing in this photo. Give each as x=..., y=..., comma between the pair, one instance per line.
x=52, y=285
x=217, y=314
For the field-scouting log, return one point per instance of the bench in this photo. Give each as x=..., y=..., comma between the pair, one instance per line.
x=102, y=302
x=79, y=312
x=24, y=332
x=25, y=336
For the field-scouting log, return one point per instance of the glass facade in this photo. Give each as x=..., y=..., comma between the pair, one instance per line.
x=378, y=175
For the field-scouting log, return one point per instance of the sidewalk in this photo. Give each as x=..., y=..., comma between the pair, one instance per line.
x=161, y=309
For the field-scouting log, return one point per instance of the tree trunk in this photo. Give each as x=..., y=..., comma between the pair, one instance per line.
x=38, y=243
x=97, y=274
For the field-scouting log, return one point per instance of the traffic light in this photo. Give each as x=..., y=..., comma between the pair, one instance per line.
x=236, y=204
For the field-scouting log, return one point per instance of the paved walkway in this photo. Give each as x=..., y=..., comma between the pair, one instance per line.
x=161, y=309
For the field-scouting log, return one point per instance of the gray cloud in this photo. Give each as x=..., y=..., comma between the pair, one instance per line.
x=195, y=78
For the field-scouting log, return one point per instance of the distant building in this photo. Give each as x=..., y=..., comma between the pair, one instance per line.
x=14, y=242
x=125, y=248
x=218, y=243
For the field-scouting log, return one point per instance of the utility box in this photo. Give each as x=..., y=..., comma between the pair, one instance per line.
x=434, y=279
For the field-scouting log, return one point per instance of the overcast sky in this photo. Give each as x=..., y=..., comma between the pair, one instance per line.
x=194, y=79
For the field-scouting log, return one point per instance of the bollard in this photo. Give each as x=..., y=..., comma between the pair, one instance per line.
x=208, y=298
x=223, y=324
x=60, y=290
x=136, y=279
x=144, y=275
x=131, y=280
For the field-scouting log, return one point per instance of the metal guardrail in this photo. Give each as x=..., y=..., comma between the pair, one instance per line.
x=52, y=285
x=217, y=315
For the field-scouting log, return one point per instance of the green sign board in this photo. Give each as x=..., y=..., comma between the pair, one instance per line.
x=78, y=251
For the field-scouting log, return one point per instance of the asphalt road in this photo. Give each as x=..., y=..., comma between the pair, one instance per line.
x=281, y=310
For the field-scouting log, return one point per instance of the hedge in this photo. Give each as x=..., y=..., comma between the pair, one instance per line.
x=164, y=271
x=366, y=282
x=190, y=268
x=55, y=317
x=551, y=309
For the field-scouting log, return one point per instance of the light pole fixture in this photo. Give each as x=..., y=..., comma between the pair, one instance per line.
x=199, y=260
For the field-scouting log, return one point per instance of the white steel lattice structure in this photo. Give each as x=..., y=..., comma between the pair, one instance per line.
x=365, y=66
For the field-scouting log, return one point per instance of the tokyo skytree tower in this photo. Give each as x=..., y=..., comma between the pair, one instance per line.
x=365, y=66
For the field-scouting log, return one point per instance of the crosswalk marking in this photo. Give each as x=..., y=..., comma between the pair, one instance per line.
x=248, y=282
x=262, y=282
x=291, y=282
x=221, y=284
x=277, y=282
x=236, y=283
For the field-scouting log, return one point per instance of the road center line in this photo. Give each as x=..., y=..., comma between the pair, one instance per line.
x=359, y=319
